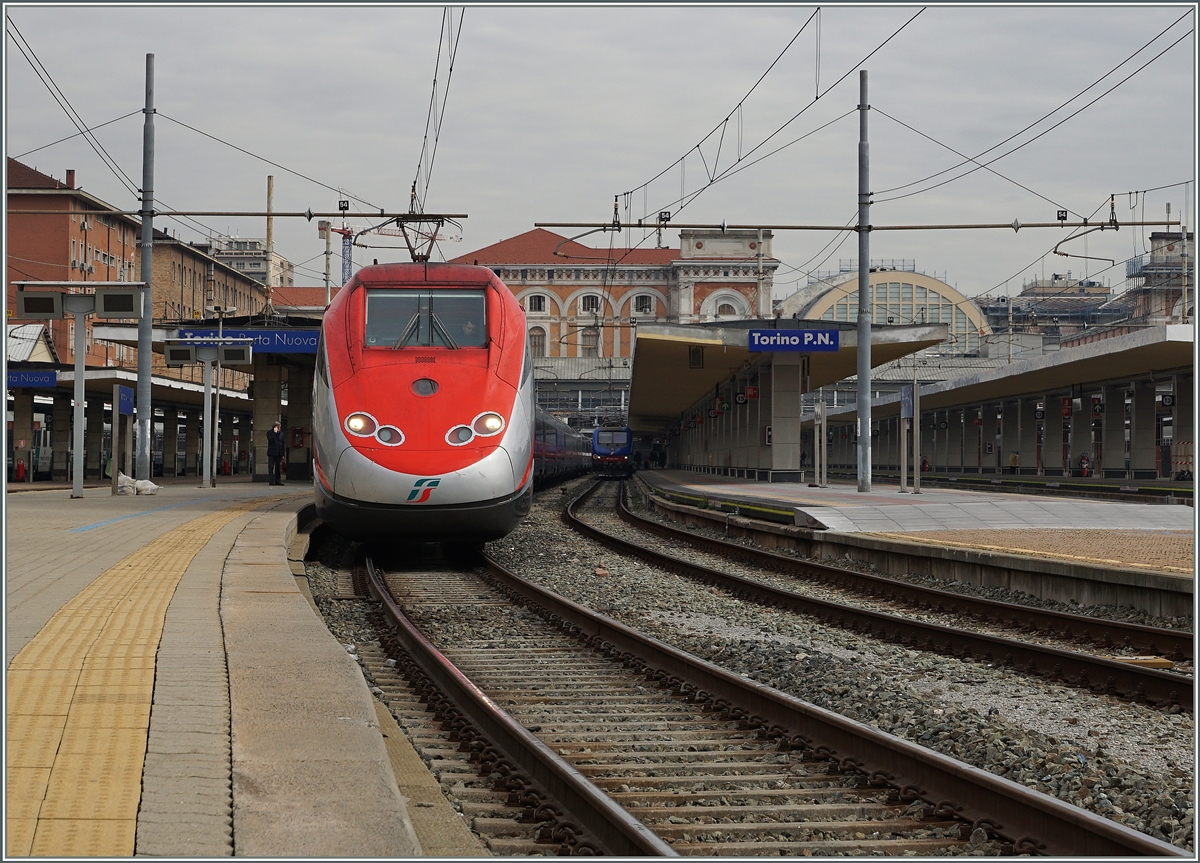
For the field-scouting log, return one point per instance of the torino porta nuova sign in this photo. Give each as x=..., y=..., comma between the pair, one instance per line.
x=793, y=340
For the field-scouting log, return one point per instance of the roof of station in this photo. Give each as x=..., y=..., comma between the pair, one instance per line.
x=665, y=384
x=30, y=343
x=1146, y=353
x=163, y=390
x=542, y=247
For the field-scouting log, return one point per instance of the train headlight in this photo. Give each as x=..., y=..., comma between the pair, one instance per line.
x=488, y=424
x=389, y=436
x=361, y=424
x=459, y=435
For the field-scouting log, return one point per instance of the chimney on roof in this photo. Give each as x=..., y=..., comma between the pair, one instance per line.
x=70, y=178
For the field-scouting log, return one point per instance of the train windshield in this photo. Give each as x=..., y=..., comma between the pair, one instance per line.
x=426, y=318
x=612, y=439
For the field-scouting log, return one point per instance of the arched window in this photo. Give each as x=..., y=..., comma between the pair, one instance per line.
x=591, y=342
x=535, y=303
x=589, y=304
x=537, y=342
x=726, y=310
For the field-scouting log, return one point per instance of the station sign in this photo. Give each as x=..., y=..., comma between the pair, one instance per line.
x=751, y=393
x=125, y=403
x=793, y=340
x=283, y=341
x=906, y=402
x=33, y=379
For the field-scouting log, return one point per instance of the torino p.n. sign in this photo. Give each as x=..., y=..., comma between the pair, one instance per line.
x=793, y=340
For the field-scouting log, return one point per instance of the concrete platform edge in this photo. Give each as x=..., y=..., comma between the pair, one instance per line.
x=1160, y=594
x=311, y=773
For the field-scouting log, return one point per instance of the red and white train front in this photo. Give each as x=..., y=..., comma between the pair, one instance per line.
x=423, y=411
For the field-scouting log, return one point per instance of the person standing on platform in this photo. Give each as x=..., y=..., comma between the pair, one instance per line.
x=274, y=453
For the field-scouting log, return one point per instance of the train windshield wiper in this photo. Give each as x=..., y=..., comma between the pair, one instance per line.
x=440, y=329
x=411, y=330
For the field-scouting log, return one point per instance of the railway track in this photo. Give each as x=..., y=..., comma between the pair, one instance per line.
x=1177, y=645
x=607, y=741
x=1099, y=674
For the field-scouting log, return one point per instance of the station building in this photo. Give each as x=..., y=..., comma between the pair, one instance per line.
x=94, y=243
x=584, y=304
x=899, y=296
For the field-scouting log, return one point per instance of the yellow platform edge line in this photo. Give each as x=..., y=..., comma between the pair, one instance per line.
x=129, y=601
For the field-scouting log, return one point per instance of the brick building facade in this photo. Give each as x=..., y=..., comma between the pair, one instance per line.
x=583, y=305
x=95, y=244
x=586, y=302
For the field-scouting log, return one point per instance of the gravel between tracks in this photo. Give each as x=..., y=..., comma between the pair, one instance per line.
x=1127, y=762
x=611, y=523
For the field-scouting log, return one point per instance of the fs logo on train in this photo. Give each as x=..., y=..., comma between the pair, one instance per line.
x=422, y=488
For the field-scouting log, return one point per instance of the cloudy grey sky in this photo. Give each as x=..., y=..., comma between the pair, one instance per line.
x=554, y=110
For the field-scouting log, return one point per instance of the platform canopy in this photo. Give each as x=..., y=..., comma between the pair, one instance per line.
x=1153, y=351
x=669, y=377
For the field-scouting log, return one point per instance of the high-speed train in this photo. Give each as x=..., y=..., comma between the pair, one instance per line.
x=424, y=422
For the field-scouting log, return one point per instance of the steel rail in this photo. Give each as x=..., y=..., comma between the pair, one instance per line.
x=1177, y=644
x=1078, y=669
x=615, y=830
x=1034, y=822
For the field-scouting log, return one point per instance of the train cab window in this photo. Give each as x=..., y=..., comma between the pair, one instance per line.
x=426, y=318
x=612, y=439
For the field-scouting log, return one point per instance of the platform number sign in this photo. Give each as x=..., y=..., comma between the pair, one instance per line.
x=740, y=398
x=1168, y=400
x=1039, y=414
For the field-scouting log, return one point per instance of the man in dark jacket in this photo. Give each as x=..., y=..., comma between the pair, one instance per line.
x=274, y=453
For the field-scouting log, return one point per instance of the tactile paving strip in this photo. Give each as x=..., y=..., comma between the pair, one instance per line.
x=79, y=697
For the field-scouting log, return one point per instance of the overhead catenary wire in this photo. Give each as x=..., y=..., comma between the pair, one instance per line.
x=77, y=134
x=687, y=198
x=436, y=115
x=84, y=130
x=57, y=94
x=986, y=167
x=340, y=191
x=736, y=110
x=1024, y=144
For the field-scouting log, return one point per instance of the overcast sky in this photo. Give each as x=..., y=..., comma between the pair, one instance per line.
x=553, y=111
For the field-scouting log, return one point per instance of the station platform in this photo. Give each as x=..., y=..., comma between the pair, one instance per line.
x=171, y=692
x=1107, y=533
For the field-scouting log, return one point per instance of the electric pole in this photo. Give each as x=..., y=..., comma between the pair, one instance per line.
x=864, y=292
x=145, y=413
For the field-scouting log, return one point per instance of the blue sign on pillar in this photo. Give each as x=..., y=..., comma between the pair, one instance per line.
x=906, y=402
x=125, y=407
